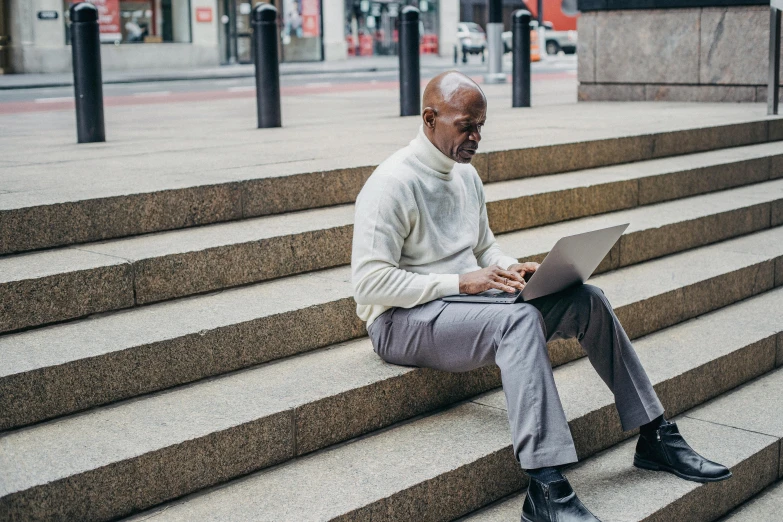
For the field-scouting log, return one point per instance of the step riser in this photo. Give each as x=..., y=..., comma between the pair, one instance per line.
x=40, y=227
x=551, y=207
x=201, y=462
x=120, y=375
x=601, y=429
x=592, y=433
x=68, y=295
x=637, y=247
x=59, y=297
x=160, y=365
x=447, y=496
x=708, y=503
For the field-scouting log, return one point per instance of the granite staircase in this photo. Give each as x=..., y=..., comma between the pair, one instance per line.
x=161, y=361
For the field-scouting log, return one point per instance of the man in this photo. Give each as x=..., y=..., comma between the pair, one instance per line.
x=421, y=233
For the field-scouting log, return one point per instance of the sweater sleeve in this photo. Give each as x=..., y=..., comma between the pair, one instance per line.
x=487, y=250
x=384, y=211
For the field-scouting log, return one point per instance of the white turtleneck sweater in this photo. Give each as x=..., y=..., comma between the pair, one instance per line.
x=421, y=221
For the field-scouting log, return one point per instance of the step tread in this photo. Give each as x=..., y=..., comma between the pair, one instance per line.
x=188, y=316
x=125, y=329
x=628, y=171
x=129, y=429
x=760, y=316
x=194, y=239
x=614, y=490
x=370, y=469
x=241, y=159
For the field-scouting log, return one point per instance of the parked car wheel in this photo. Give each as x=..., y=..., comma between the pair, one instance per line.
x=552, y=47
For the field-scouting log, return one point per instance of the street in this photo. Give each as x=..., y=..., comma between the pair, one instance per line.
x=141, y=93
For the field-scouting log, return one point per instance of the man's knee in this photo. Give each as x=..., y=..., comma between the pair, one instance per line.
x=589, y=296
x=525, y=319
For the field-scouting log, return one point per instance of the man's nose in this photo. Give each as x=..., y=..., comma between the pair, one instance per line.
x=475, y=136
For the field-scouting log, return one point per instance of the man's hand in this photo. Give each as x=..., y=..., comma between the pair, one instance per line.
x=492, y=277
x=524, y=269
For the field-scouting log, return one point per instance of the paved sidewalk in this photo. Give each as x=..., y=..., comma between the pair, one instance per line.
x=175, y=145
x=364, y=64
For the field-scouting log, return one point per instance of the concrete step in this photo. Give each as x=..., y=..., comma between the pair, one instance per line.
x=175, y=442
x=101, y=194
x=444, y=465
x=99, y=360
x=767, y=505
x=128, y=353
x=742, y=429
x=63, y=284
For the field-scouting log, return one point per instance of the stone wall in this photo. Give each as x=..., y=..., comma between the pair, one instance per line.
x=686, y=54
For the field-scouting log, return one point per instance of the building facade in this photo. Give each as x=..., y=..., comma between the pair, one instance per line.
x=673, y=50
x=562, y=14
x=165, y=34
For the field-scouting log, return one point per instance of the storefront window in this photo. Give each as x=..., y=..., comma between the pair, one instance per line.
x=301, y=34
x=139, y=21
x=300, y=29
x=371, y=26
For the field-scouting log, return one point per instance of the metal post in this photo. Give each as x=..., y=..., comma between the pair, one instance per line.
x=267, y=66
x=410, y=82
x=520, y=54
x=87, y=80
x=773, y=96
x=541, y=31
x=495, y=43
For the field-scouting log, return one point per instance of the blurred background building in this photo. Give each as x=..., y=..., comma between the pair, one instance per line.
x=164, y=34
x=152, y=34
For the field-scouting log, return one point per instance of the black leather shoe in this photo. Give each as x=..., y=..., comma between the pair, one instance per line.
x=554, y=502
x=666, y=450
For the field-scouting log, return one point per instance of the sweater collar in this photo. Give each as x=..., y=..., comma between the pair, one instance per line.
x=429, y=154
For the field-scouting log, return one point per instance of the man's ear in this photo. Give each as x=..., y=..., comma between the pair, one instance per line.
x=429, y=117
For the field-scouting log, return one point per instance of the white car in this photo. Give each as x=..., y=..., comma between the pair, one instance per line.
x=472, y=40
x=556, y=41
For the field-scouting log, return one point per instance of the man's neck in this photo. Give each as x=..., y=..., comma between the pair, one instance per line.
x=430, y=155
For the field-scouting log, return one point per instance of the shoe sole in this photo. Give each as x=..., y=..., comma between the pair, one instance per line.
x=654, y=466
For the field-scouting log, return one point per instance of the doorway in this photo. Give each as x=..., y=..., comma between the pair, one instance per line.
x=237, y=29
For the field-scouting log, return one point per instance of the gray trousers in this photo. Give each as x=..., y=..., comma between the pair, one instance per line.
x=458, y=337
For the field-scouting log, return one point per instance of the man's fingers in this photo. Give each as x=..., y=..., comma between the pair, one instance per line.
x=504, y=287
x=511, y=275
x=517, y=283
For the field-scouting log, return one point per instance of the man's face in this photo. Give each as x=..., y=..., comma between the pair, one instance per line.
x=457, y=131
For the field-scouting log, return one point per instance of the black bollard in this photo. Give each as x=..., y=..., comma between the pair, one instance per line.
x=87, y=81
x=410, y=82
x=520, y=69
x=267, y=66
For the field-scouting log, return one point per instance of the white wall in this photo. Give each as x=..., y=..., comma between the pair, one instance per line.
x=335, y=47
x=180, y=23
x=448, y=20
x=48, y=33
x=205, y=34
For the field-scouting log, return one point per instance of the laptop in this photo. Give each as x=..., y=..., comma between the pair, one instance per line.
x=571, y=261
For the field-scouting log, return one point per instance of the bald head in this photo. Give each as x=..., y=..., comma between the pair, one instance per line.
x=449, y=88
x=455, y=109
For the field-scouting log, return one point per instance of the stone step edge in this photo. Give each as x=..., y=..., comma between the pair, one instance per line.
x=751, y=476
x=499, y=466
x=108, y=371
x=115, y=282
x=74, y=222
x=246, y=439
x=762, y=506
